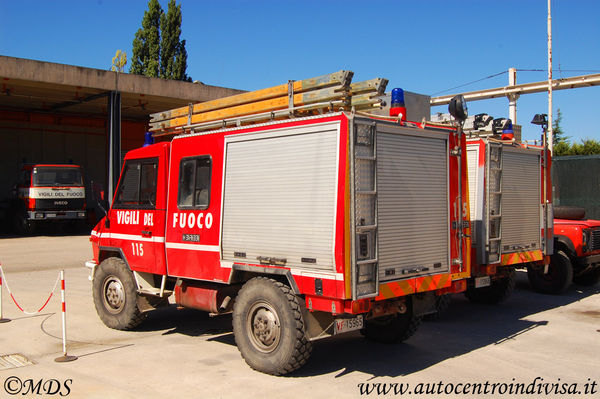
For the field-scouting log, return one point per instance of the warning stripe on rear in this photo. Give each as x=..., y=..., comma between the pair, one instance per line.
x=521, y=257
x=396, y=289
x=429, y=283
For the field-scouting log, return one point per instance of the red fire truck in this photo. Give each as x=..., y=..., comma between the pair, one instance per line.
x=302, y=228
x=510, y=208
x=48, y=193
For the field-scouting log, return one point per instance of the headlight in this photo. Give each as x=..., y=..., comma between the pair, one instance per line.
x=585, y=238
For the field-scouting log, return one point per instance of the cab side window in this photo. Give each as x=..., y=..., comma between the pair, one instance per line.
x=137, y=188
x=194, y=183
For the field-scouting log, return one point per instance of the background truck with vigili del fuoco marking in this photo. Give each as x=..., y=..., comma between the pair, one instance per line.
x=45, y=194
x=301, y=214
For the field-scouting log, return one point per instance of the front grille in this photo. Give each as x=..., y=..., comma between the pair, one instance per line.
x=595, y=240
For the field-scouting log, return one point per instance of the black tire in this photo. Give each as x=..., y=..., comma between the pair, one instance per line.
x=23, y=225
x=269, y=327
x=442, y=303
x=588, y=279
x=569, y=212
x=115, y=295
x=496, y=292
x=558, y=278
x=392, y=329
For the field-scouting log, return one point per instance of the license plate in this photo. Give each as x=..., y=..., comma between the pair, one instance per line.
x=483, y=281
x=345, y=325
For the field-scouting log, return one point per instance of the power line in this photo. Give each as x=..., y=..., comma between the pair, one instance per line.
x=470, y=83
x=518, y=70
x=560, y=69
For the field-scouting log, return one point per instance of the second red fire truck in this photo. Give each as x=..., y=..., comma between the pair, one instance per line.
x=510, y=207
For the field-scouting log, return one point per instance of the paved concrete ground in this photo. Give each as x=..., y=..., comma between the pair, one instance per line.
x=186, y=354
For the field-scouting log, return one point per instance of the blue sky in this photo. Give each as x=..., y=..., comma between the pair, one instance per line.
x=423, y=46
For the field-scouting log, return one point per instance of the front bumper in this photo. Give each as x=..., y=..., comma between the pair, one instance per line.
x=57, y=215
x=91, y=264
x=589, y=260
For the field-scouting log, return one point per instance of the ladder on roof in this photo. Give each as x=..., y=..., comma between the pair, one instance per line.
x=331, y=92
x=494, y=202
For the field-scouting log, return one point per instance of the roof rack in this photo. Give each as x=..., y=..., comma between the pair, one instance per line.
x=328, y=93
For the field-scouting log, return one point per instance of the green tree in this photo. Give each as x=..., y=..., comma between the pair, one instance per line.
x=146, y=44
x=173, y=56
x=587, y=147
x=561, y=148
x=157, y=48
x=562, y=145
x=558, y=135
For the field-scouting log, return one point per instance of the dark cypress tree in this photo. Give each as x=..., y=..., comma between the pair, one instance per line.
x=146, y=44
x=157, y=48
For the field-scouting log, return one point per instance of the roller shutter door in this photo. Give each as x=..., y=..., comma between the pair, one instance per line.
x=280, y=198
x=412, y=194
x=520, y=200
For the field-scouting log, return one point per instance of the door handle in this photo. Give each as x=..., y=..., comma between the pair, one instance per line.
x=146, y=233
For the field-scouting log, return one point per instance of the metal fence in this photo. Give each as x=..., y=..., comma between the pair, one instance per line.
x=576, y=181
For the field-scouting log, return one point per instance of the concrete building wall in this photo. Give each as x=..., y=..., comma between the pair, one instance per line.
x=44, y=138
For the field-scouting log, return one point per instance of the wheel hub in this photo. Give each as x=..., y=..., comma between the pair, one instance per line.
x=114, y=294
x=264, y=326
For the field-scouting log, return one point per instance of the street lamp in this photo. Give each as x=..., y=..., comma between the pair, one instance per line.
x=541, y=119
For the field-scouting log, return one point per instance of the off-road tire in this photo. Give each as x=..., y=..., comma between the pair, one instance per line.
x=269, y=327
x=588, y=279
x=115, y=295
x=392, y=329
x=496, y=292
x=558, y=278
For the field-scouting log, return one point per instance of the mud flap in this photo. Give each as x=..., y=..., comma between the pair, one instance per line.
x=423, y=304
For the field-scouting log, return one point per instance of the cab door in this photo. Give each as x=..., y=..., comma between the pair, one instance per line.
x=137, y=216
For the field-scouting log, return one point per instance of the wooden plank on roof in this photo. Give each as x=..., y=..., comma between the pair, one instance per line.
x=342, y=78
x=310, y=97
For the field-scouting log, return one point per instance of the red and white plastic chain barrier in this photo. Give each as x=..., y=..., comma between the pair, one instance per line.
x=3, y=279
x=61, y=277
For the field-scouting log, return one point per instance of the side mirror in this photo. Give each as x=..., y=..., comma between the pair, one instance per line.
x=458, y=108
x=98, y=194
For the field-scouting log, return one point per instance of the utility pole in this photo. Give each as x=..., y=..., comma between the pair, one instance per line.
x=549, y=131
x=512, y=97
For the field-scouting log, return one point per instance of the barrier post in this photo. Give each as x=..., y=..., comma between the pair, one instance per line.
x=64, y=357
x=2, y=319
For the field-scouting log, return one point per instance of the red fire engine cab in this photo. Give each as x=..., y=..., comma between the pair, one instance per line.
x=303, y=228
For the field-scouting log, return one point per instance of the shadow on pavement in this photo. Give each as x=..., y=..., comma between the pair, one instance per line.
x=463, y=328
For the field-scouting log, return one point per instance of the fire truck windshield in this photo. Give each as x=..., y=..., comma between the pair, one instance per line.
x=56, y=176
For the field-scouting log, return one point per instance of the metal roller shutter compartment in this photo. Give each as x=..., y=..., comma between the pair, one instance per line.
x=520, y=200
x=280, y=198
x=412, y=194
